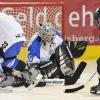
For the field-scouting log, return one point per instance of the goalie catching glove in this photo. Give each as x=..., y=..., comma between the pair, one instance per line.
x=77, y=48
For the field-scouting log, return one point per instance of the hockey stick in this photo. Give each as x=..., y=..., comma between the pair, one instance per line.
x=80, y=87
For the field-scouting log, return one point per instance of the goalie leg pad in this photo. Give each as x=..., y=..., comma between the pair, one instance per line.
x=48, y=69
x=64, y=60
x=67, y=66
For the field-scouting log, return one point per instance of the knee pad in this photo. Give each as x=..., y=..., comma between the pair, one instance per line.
x=20, y=66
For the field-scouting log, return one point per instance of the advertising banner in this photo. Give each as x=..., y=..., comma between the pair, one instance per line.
x=79, y=20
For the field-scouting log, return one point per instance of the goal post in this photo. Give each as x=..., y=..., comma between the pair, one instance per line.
x=30, y=14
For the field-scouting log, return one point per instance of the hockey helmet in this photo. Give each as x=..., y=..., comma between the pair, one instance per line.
x=46, y=31
x=97, y=17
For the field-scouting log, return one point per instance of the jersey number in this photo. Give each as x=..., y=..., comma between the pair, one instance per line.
x=5, y=44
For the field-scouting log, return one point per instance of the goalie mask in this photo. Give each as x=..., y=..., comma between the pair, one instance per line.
x=97, y=17
x=46, y=31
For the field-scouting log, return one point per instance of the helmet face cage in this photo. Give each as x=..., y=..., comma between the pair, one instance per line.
x=46, y=31
x=97, y=17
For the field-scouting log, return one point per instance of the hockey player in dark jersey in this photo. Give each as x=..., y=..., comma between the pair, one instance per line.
x=51, y=55
x=96, y=88
x=15, y=71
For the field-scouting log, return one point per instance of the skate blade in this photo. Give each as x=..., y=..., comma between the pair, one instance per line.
x=36, y=81
x=7, y=89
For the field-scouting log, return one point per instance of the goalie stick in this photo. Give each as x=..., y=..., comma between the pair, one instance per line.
x=80, y=87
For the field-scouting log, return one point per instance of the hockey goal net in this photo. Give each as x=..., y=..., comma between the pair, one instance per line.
x=29, y=15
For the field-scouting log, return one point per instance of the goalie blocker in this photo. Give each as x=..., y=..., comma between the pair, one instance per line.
x=61, y=65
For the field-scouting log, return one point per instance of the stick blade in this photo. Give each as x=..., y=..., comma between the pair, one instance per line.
x=74, y=89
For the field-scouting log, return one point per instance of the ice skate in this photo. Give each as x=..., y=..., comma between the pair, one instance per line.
x=95, y=89
x=6, y=81
x=14, y=81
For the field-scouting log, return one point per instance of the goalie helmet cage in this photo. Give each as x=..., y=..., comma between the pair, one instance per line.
x=30, y=14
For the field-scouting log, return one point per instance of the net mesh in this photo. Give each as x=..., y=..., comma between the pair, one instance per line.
x=30, y=16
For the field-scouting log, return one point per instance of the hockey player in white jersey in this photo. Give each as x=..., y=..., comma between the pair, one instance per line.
x=51, y=55
x=15, y=71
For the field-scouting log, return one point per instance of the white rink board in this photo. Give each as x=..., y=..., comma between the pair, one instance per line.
x=57, y=92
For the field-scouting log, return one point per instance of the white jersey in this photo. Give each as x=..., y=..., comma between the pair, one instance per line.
x=38, y=52
x=11, y=31
x=49, y=48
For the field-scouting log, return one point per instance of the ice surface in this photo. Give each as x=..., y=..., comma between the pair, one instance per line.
x=57, y=92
